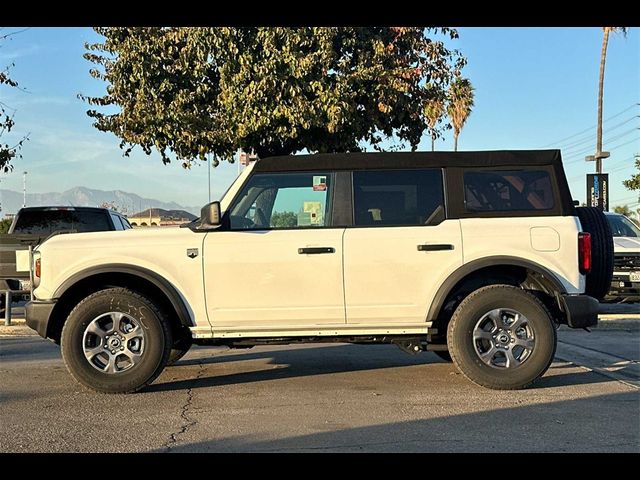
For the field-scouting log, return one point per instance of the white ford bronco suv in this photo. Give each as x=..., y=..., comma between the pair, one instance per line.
x=477, y=256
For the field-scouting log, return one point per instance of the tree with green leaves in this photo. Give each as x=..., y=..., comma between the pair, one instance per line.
x=459, y=106
x=284, y=219
x=5, y=223
x=8, y=151
x=634, y=182
x=624, y=210
x=434, y=112
x=188, y=92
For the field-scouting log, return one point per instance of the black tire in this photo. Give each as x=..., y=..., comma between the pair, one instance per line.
x=444, y=355
x=153, y=357
x=599, y=279
x=179, y=350
x=462, y=346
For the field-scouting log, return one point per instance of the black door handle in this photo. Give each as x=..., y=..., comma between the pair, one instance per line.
x=316, y=250
x=434, y=247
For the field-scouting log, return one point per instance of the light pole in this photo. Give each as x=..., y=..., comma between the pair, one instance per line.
x=24, y=189
x=209, y=175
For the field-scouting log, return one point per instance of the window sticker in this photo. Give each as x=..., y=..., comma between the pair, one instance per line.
x=304, y=219
x=319, y=183
x=314, y=209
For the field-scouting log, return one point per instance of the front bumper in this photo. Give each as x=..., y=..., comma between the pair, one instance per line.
x=37, y=315
x=621, y=286
x=581, y=310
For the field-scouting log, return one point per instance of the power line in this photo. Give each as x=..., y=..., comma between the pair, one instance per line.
x=622, y=166
x=572, y=151
x=589, y=138
x=590, y=128
x=578, y=155
x=618, y=168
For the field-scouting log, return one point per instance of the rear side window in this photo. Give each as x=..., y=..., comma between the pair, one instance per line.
x=39, y=222
x=398, y=197
x=507, y=190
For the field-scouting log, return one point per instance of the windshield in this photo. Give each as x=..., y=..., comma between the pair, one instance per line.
x=621, y=226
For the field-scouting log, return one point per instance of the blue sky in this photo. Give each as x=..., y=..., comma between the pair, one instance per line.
x=534, y=88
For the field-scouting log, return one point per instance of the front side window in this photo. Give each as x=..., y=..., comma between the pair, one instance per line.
x=283, y=200
x=398, y=197
x=117, y=224
x=507, y=190
x=125, y=223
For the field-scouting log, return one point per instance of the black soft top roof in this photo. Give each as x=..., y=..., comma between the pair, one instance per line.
x=382, y=160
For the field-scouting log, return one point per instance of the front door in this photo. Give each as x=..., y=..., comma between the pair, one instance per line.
x=401, y=247
x=277, y=264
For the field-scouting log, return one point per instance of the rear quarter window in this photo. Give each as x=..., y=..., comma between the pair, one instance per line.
x=508, y=191
x=40, y=222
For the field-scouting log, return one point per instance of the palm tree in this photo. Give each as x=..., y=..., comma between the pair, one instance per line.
x=460, y=105
x=434, y=110
x=603, y=59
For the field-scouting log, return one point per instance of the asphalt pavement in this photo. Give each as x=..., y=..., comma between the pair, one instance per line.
x=327, y=398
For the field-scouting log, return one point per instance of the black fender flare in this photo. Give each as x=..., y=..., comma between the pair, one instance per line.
x=157, y=280
x=475, y=265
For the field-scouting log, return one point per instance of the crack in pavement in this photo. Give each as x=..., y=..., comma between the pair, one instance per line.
x=188, y=422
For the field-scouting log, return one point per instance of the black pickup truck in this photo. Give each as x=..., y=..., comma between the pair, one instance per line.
x=32, y=225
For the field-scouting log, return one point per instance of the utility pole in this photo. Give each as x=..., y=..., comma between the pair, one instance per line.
x=209, y=175
x=24, y=189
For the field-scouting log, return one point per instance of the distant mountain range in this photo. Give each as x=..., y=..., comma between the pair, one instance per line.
x=127, y=203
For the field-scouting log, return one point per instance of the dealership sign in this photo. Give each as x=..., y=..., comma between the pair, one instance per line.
x=598, y=190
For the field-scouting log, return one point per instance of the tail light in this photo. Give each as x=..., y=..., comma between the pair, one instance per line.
x=584, y=252
x=37, y=270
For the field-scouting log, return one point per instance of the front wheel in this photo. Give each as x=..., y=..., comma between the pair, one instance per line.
x=502, y=337
x=116, y=341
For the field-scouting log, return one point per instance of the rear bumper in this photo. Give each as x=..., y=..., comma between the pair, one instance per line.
x=581, y=310
x=37, y=315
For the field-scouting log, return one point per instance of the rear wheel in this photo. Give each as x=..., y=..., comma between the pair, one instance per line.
x=116, y=341
x=502, y=337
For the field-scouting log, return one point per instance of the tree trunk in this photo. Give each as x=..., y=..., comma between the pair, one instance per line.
x=455, y=140
x=603, y=59
x=433, y=143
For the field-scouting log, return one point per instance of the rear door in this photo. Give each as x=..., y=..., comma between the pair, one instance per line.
x=400, y=248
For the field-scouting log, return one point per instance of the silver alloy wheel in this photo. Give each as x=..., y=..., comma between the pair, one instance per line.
x=113, y=342
x=503, y=338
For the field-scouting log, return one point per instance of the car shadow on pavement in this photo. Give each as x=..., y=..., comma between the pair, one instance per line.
x=561, y=426
x=266, y=365
x=12, y=349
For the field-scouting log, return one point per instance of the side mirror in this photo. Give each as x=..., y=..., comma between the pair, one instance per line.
x=210, y=215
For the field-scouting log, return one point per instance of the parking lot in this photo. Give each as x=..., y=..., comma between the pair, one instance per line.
x=340, y=398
